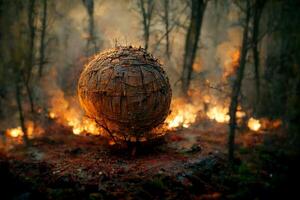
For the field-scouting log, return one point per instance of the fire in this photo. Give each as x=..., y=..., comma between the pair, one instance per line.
x=218, y=114
x=254, y=124
x=52, y=115
x=77, y=122
x=15, y=132
x=86, y=125
x=268, y=124
x=183, y=114
x=32, y=130
x=65, y=111
x=235, y=57
x=231, y=63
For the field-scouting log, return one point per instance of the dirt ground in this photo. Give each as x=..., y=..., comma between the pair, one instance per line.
x=184, y=164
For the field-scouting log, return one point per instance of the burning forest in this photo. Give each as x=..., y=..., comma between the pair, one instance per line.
x=149, y=99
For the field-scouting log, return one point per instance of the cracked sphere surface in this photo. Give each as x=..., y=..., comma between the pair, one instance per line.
x=125, y=90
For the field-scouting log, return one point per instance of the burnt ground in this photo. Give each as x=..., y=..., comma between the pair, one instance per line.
x=184, y=164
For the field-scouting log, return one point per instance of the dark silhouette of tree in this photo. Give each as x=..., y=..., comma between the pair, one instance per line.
x=146, y=9
x=191, y=41
x=237, y=84
x=167, y=25
x=14, y=48
x=30, y=57
x=258, y=7
x=91, y=45
x=43, y=36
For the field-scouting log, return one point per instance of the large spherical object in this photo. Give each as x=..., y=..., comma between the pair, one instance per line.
x=125, y=90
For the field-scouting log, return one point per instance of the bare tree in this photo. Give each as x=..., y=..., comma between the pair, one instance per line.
x=18, y=88
x=257, y=12
x=91, y=38
x=146, y=8
x=42, y=39
x=15, y=45
x=172, y=16
x=167, y=25
x=30, y=56
x=237, y=84
x=191, y=41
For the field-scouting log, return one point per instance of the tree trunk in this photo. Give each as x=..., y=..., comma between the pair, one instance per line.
x=91, y=40
x=20, y=108
x=146, y=10
x=258, y=8
x=166, y=19
x=42, y=41
x=191, y=42
x=30, y=58
x=237, y=84
x=30, y=97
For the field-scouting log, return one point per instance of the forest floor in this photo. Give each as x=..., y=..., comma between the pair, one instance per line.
x=184, y=164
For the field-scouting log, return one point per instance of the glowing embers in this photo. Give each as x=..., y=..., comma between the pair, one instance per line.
x=264, y=124
x=254, y=124
x=15, y=132
x=52, y=115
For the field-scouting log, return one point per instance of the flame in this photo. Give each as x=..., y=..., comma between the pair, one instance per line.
x=231, y=63
x=32, y=130
x=77, y=122
x=111, y=142
x=218, y=114
x=183, y=114
x=15, y=132
x=240, y=114
x=235, y=57
x=86, y=125
x=254, y=124
x=66, y=111
x=52, y=115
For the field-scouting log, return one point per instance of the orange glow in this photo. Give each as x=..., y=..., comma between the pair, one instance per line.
x=111, y=142
x=218, y=114
x=254, y=124
x=77, y=131
x=268, y=124
x=231, y=63
x=15, y=132
x=197, y=67
x=31, y=128
x=66, y=111
x=206, y=98
x=52, y=115
x=183, y=114
x=235, y=57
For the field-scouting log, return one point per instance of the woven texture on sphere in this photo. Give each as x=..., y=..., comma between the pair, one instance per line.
x=126, y=90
